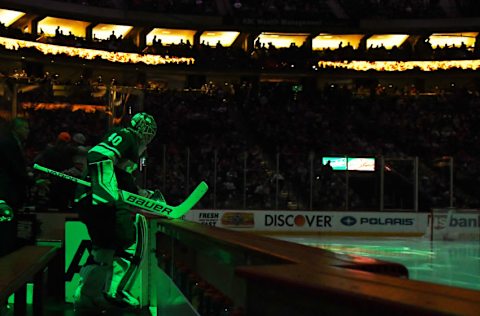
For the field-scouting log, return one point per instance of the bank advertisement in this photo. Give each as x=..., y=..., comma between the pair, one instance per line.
x=454, y=224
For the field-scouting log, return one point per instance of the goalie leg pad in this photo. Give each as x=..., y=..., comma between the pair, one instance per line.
x=131, y=274
x=94, y=276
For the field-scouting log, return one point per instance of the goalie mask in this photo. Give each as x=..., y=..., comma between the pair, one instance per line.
x=144, y=126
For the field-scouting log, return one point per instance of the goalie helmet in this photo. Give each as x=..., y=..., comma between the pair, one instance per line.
x=144, y=126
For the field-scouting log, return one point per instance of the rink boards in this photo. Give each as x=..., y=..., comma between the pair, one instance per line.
x=338, y=222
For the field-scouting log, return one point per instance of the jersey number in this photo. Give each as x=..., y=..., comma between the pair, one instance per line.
x=115, y=139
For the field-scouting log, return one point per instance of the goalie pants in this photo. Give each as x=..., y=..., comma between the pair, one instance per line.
x=111, y=230
x=110, y=227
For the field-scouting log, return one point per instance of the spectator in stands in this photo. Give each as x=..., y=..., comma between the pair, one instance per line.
x=326, y=173
x=59, y=157
x=77, y=170
x=79, y=139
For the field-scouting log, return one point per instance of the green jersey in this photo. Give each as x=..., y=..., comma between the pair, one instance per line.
x=111, y=164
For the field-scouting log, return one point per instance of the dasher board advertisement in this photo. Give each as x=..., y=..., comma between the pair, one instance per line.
x=314, y=222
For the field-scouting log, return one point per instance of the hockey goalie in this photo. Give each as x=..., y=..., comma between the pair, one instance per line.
x=117, y=233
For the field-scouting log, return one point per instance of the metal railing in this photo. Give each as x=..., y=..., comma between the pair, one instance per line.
x=251, y=179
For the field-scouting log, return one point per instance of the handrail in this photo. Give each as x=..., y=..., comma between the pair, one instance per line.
x=16, y=270
x=26, y=264
x=278, y=250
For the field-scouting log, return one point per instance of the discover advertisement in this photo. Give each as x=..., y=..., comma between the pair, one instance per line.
x=395, y=223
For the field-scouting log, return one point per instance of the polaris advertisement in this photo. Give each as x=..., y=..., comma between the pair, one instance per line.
x=394, y=223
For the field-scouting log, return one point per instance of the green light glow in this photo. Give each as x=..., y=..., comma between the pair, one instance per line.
x=75, y=233
x=11, y=298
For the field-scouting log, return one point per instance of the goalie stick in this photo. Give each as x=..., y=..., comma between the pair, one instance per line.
x=146, y=204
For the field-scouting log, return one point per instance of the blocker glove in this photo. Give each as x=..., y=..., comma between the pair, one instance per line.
x=153, y=195
x=6, y=212
x=157, y=196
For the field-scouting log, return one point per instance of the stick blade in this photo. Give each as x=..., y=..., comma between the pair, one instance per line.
x=190, y=202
